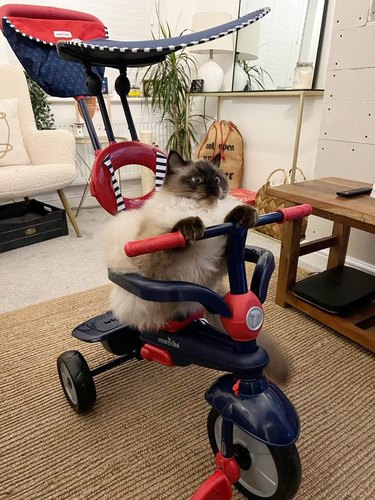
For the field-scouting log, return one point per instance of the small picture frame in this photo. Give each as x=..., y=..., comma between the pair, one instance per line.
x=196, y=86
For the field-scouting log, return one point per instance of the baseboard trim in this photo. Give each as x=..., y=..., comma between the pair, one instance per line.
x=319, y=260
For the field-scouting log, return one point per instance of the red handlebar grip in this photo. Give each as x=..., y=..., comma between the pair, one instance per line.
x=154, y=244
x=297, y=212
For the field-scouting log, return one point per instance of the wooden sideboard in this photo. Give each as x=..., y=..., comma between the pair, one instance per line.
x=357, y=212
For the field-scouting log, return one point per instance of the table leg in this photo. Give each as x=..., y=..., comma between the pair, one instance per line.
x=337, y=252
x=297, y=138
x=289, y=255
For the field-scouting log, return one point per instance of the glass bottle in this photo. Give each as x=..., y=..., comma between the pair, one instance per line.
x=303, y=75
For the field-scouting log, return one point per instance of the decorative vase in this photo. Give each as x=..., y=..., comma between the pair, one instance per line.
x=212, y=75
x=240, y=78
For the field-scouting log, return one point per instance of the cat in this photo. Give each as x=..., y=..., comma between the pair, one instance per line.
x=194, y=195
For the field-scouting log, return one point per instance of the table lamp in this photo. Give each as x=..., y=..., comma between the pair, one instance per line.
x=247, y=49
x=211, y=73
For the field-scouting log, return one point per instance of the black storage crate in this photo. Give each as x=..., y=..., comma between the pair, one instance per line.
x=27, y=222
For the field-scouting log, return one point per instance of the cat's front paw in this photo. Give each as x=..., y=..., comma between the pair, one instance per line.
x=243, y=215
x=192, y=228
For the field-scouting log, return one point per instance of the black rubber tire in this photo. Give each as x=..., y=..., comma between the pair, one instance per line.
x=286, y=463
x=76, y=381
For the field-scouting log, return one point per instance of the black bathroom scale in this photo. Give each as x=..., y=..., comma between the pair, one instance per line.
x=338, y=290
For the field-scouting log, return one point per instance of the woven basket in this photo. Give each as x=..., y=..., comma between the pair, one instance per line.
x=266, y=203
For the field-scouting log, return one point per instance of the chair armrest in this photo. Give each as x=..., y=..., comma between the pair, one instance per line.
x=50, y=146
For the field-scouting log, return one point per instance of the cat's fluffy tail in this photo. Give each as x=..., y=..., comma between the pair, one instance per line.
x=278, y=369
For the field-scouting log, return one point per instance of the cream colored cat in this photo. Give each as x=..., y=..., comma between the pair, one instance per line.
x=194, y=196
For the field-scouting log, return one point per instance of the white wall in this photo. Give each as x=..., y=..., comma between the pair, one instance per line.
x=346, y=143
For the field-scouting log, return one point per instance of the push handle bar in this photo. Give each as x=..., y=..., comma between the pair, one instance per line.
x=176, y=240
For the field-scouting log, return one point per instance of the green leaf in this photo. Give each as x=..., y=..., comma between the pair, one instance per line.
x=170, y=82
x=255, y=76
x=44, y=118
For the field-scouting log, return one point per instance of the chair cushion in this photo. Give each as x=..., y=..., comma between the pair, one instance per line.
x=12, y=149
x=23, y=180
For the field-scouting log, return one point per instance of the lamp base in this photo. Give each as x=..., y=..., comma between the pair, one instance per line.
x=239, y=79
x=212, y=76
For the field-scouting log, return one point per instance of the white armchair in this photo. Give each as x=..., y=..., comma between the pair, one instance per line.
x=32, y=161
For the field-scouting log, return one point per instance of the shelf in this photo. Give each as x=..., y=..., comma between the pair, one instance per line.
x=259, y=93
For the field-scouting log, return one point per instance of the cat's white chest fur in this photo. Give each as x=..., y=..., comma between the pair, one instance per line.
x=200, y=262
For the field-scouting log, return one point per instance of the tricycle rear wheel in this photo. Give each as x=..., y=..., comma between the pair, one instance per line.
x=76, y=380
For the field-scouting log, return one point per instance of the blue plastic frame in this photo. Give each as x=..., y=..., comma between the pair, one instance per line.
x=273, y=420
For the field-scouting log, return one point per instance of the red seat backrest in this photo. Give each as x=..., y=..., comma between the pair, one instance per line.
x=52, y=24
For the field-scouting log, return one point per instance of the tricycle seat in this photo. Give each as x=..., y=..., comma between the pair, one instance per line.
x=170, y=291
x=182, y=291
x=120, y=54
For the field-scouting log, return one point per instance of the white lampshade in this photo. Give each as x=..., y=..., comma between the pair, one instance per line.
x=247, y=48
x=211, y=73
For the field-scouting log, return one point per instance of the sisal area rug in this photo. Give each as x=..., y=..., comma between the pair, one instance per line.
x=146, y=437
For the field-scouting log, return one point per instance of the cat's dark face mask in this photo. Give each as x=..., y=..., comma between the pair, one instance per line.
x=200, y=180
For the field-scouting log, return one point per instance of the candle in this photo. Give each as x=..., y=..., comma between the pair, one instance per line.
x=145, y=136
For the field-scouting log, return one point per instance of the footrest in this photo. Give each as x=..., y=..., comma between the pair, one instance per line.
x=100, y=328
x=217, y=487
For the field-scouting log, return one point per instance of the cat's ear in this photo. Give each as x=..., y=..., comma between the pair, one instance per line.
x=216, y=160
x=175, y=161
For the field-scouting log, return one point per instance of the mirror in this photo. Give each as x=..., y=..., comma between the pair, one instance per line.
x=280, y=51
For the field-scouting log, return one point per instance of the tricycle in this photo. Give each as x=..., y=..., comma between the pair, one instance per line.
x=252, y=426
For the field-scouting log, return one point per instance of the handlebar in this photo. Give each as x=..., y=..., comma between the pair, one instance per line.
x=176, y=240
x=154, y=244
x=297, y=212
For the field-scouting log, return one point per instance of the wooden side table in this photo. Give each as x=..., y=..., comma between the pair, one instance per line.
x=358, y=212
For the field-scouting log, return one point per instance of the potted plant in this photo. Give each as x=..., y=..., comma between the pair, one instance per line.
x=255, y=76
x=44, y=118
x=168, y=83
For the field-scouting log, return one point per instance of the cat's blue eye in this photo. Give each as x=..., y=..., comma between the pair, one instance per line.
x=197, y=179
x=217, y=180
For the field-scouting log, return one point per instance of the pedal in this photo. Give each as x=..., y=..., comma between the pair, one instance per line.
x=216, y=487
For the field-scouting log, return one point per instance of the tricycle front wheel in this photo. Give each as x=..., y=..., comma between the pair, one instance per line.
x=271, y=472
